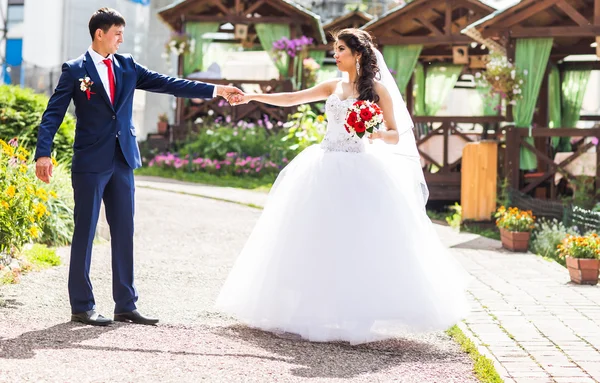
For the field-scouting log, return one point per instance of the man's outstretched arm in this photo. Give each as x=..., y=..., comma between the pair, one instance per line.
x=155, y=82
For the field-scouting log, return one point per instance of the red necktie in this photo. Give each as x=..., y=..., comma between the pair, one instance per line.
x=111, y=79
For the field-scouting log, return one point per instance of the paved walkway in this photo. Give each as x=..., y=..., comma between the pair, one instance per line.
x=185, y=246
x=527, y=317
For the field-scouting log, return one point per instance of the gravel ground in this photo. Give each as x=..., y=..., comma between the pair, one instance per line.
x=185, y=246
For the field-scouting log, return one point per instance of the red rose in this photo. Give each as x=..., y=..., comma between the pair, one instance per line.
x=352, y=118
x=366, y=114
x=360, y=127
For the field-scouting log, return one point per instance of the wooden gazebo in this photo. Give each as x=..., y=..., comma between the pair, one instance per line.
x=353, y=19
x=574, y=26
x=436, y=26
x=243, y=15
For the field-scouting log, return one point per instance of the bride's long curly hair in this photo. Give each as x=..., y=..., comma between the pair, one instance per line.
x=361, y=42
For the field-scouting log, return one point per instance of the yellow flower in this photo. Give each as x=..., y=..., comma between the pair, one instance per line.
x=53, y=194
x=10, y=191
x=320, y=118
x=54, y=163
x=42, y=194
x=31, y=219
x=30, y=189
x=4, y=204
x=34, y=231
x=23, y=169
x=40, y=210
x=21, y=157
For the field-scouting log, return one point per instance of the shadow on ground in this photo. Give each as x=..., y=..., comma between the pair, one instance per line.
x=340, y=359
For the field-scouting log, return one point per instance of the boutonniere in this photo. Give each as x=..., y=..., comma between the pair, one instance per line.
x=85, y=84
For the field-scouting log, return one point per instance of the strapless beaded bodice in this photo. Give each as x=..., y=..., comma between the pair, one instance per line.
x=337, y=139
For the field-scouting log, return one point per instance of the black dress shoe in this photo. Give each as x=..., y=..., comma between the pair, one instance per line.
x=91, y=317
x=135, y=317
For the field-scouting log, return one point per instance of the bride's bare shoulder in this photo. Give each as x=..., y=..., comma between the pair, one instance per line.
x=380, y=89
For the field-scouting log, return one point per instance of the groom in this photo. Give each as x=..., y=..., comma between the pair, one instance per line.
x=101, y=83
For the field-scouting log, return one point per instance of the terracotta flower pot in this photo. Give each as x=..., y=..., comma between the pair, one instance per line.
x=515, y=240
x=583, y=271
x=162, y=127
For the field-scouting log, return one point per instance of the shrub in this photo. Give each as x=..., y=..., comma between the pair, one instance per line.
x=20, y=115
x=23, y=205
x=546, y=237
x=57, y=229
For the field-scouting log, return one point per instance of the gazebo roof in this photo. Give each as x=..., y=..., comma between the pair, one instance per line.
x=244, y=12
x=428, y=22
x=570, y=22
x=353, y=19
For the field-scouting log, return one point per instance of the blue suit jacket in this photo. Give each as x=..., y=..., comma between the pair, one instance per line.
x=99, y=123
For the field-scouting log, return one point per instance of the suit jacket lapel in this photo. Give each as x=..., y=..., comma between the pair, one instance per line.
x=90, y=67
x=118, y=79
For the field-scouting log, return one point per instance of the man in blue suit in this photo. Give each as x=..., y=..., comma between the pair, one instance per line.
x=101, y=83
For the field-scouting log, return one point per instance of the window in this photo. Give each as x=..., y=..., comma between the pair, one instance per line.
x=15, y=15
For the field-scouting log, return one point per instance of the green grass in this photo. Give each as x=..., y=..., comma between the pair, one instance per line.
x=257, y=184
x=484, y=232
x=483, y=368
x=41, y=256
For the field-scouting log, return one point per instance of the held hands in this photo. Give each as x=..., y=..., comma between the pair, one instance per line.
x=43, y=169
x=232, y=94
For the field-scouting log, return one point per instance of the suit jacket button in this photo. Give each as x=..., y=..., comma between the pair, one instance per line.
x=119, y=133
x=114, y=117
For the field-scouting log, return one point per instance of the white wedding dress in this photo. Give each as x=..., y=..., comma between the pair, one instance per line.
x=344, y=249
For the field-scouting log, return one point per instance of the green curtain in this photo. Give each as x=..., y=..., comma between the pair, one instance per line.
x=439, y=81
x=268, y=34
x=402, y=59
x=318, y=56
x=554, y=112
x=489, y=104
x=574, y=84
x=193, y=62
x=419, y=90
x=531, y=55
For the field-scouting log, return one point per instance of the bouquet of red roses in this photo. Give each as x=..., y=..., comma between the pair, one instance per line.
x=363, y=116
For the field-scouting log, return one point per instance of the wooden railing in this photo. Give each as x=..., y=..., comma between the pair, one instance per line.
x=443, y=175
x=515, y=139
x=192, y=109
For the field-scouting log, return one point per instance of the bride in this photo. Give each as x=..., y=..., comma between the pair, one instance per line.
x=343, y=250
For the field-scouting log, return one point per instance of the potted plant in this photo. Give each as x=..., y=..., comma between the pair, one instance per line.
x=502, y=77
x=515, y=227
x=163, y=123
x=582, y=255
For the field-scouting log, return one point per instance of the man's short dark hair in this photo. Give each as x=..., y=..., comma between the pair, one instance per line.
x=105, y=18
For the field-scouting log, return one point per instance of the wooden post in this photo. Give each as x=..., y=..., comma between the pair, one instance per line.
x=410, y=100
x=541, y=118
x=597, y=163
x=510, y=54
x=512, y=156
x=291, y=59
x=597, y=23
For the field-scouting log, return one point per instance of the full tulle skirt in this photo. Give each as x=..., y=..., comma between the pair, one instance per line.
x=344, y=251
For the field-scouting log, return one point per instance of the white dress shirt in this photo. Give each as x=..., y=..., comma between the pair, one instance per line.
x=103, y=70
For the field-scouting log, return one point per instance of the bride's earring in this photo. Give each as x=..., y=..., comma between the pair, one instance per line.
x=357, y=67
